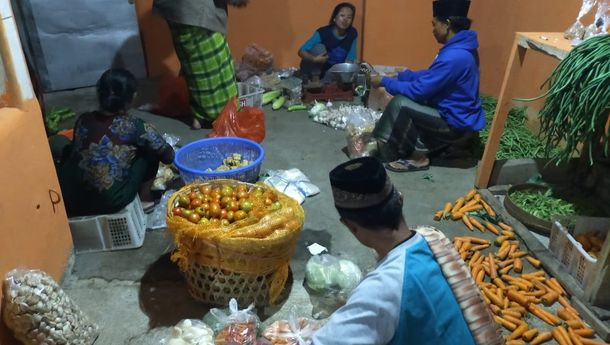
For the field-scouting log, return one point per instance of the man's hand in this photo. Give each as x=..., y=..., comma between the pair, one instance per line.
x=321, y=58
x=376, y=80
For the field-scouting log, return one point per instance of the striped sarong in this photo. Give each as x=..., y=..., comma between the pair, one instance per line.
x=480, y=321
x=207, y=66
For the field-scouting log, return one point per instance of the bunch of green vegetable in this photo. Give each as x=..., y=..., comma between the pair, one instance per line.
x=577, y=101
x=517, y=141
x=542, y=204
x=56, y=116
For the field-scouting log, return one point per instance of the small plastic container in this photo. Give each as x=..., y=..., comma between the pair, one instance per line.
x=194, y=160
x=122, y=230
x=250, y=95
x=569, y=252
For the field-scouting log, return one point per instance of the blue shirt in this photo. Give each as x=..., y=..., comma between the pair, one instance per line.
x=405, y=300
x=317, y=39
x=451, y=84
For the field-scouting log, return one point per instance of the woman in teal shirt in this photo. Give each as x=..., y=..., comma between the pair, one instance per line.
x=331, y=44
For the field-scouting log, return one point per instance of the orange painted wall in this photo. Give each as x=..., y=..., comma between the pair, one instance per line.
x=34, y=230
x=396, y=32
x=409, y=42
x=280, y=26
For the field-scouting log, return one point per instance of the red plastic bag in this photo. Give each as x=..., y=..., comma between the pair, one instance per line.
x=249, y=122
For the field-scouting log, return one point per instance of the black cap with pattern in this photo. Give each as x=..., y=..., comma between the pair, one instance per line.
x=450, y=8
x=360, y=183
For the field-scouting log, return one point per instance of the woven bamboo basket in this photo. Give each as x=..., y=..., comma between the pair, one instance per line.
x=247, y=260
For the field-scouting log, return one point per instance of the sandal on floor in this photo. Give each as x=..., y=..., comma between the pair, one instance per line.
x=403, y=165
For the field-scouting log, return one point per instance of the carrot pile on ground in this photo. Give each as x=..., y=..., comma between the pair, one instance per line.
x=511, y=294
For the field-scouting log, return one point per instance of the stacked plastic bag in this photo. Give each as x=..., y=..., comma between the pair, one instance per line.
x=329, y=282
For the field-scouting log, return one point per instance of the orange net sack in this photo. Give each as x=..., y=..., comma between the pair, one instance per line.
x=247, y=259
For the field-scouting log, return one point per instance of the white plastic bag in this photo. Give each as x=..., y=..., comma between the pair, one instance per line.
x=577, y=30
x=38, y=311
x=294, y=331
x=329, y=282
x=601, y=22
x=293, y=183
x=191, y=332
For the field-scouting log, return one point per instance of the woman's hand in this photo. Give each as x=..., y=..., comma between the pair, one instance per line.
x=321, y=59
x=376, y=80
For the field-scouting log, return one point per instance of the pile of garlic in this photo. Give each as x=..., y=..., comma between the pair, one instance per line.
x=191, y=332
x=38, y=311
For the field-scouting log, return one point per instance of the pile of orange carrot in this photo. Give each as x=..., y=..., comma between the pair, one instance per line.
x=511, y=294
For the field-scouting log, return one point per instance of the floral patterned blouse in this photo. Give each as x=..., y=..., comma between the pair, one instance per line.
x=108, y=145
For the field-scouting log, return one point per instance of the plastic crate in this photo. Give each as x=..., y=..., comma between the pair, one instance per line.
x=193, y=160
x=122, y=230
x=250, y=95
x=570, y=253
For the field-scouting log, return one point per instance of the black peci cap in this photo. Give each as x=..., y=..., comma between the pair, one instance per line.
x=450, y=8
x=360, y=183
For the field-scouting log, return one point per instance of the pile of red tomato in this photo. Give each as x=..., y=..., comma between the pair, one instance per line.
x=224, y=204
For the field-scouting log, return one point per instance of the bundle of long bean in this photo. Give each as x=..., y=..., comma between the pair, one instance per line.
x=578, y=100
x=517, y=140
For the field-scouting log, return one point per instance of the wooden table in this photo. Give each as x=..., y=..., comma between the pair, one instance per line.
x=548, y=43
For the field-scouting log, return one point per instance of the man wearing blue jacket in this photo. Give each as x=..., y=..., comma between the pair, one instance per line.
x=437, y=107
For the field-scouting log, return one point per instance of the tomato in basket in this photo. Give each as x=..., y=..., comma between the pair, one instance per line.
x=224, y=204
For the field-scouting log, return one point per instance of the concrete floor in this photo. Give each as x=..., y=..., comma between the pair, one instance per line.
x=135, y=294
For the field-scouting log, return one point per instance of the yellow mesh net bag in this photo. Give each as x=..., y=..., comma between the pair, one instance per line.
x=218, y=260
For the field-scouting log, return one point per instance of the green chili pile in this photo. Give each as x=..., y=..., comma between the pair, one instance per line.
x=542, y=204
x=577, y=101
x=517, y=141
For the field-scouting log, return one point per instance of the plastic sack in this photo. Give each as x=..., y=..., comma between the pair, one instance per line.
x=190, y=332
x=577, y=30
x=601, y=23
x=156, y=219
x=293, y=183
x=360, y=141
x=329, y=282
x=38, y=311
x=294, y=331
x=249, y=122
x=256, y=60
x=165, y=174
x=379, y=99
x=237, y=326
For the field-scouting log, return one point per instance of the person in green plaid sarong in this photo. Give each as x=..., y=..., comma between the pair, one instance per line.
x=199, y=30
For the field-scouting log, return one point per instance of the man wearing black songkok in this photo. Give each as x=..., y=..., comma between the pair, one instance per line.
x=437, y=110
x=407, y=299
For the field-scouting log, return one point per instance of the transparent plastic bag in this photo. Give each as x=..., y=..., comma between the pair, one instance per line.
x=38, y=311
x=191, y=332
x=360, y=141
x=294, y=331
x=255, y=61
x=601, y=23
x=329, y=282
x=235, y=326
x=577, y=30
x=156, y=219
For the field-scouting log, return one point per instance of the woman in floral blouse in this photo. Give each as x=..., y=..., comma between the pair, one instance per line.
x=115, y=155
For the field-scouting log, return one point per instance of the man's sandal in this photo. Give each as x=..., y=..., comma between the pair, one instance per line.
x=404, y=165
